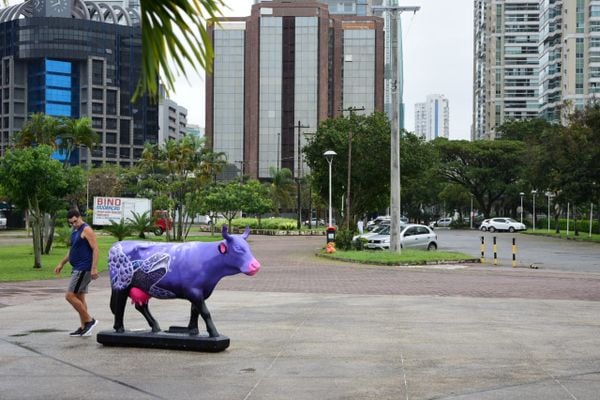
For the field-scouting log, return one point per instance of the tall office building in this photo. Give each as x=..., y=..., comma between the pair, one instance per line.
x=432, y=118
x=505, y=80
x=75, y=58
x=281, y=71
x=172, y=118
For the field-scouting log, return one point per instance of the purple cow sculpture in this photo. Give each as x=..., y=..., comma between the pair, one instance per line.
x=142, y=270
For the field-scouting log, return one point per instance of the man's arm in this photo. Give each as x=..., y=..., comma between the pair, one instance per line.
x=90, y=236
x=61, y=264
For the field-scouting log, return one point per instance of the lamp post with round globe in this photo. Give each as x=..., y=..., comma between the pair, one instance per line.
x=329, y=154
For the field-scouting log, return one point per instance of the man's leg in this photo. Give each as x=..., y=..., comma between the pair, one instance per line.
x=77, y=300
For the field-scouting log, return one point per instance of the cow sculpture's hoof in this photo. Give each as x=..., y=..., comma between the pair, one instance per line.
x=164, y=340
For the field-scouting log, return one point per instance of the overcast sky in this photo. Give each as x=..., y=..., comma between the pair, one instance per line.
x=438, y=59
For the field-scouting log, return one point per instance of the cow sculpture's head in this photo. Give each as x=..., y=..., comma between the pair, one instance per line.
x=236, y=249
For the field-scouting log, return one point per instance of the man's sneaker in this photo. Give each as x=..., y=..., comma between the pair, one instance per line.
x=87, y=328
x=77, y=332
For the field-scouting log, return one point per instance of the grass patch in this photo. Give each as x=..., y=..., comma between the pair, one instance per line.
x=583, y=236
x=17, y=260
x=407, y=257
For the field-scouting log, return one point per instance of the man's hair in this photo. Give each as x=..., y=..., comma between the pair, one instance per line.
x=73, y=212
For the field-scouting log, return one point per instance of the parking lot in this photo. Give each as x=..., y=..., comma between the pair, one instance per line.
x=543, y=252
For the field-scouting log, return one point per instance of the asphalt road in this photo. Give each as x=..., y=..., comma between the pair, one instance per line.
x=544, y=252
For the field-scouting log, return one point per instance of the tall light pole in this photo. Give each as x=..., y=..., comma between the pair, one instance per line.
x=298, y=174
x=534, y=192
x=347, y=213
x=521, y=194
x=396, y=91
x=550, y=196
x=471, y=214
x=329, y=154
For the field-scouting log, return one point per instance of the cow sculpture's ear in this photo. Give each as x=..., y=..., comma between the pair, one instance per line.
x=222, y=248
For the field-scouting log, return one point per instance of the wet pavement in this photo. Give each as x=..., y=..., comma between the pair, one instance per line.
x=306, y=327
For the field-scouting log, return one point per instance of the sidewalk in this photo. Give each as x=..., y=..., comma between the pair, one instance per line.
x=329, y=338
x=315, y=346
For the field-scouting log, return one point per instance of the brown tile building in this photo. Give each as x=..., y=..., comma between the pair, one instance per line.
x=288, y=65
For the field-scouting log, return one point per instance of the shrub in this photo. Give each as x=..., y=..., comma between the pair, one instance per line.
x=119, y=230
x=343, y=239
x=63, y=235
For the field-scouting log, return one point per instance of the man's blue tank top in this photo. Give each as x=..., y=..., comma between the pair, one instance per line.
x=80, y=255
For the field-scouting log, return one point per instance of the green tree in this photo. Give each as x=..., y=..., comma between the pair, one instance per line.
x=34, y=182
x=486, y=169
x=73, y=133
x=256, y=199
x=167, y=173
x=140, y=223
x=231, y=198
x=281, y=188
x=39, y=129
x=370, y=171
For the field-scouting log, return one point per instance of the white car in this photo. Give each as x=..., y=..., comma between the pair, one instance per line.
x=377, y=230
x=411, y=236
x=501, y=224
x=2, y=221
x=441, y=223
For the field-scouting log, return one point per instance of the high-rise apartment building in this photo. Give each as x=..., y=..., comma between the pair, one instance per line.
x=569, y=55
x=281, y=71
x=172, y=118
x=506, y=38
x=432, y=118
x=75, y=58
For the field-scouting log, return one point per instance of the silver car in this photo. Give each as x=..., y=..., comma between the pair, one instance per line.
x=411, y=236
x=502, y=224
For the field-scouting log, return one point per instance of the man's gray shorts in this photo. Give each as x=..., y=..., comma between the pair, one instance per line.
x=80, y=281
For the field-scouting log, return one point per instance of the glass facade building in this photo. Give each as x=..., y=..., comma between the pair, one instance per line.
x=281, y=71
x=88, y=67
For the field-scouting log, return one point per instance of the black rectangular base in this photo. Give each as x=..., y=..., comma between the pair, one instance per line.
x=164, y=340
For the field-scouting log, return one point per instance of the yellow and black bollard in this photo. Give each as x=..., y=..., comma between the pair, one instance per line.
x=482, y=249
x=514, y=253
x=495, y=253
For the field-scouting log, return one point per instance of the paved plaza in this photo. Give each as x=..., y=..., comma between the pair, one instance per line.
x=306, y=327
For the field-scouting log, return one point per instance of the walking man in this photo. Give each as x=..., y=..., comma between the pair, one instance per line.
x=83, y=256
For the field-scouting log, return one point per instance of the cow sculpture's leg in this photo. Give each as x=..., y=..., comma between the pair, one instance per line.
x=199, y=307
x=118, y=300
x=143, y=308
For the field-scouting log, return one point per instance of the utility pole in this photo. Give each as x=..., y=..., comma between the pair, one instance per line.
x=396, y=36
x=299, y=155
x=352, y=110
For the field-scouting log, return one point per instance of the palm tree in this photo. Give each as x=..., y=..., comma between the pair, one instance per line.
x=39, y=129
x=281, y=188
x=74, y=133
x=161, y=20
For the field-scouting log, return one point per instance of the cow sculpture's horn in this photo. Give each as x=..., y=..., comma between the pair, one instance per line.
x=224, y=232
x=246, y=232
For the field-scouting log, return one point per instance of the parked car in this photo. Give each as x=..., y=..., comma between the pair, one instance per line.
x=411, y=236
x=377, y=230
x=441, y=223
x=501, y=224
x=314, y=222
x=385, y=219
x=162, y=222
x=2, y=221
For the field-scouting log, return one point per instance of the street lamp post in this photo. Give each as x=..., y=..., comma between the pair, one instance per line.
x=329, y=154
x=534, y=192
x=471, y=214
x=521, y=194
x=550, y=196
